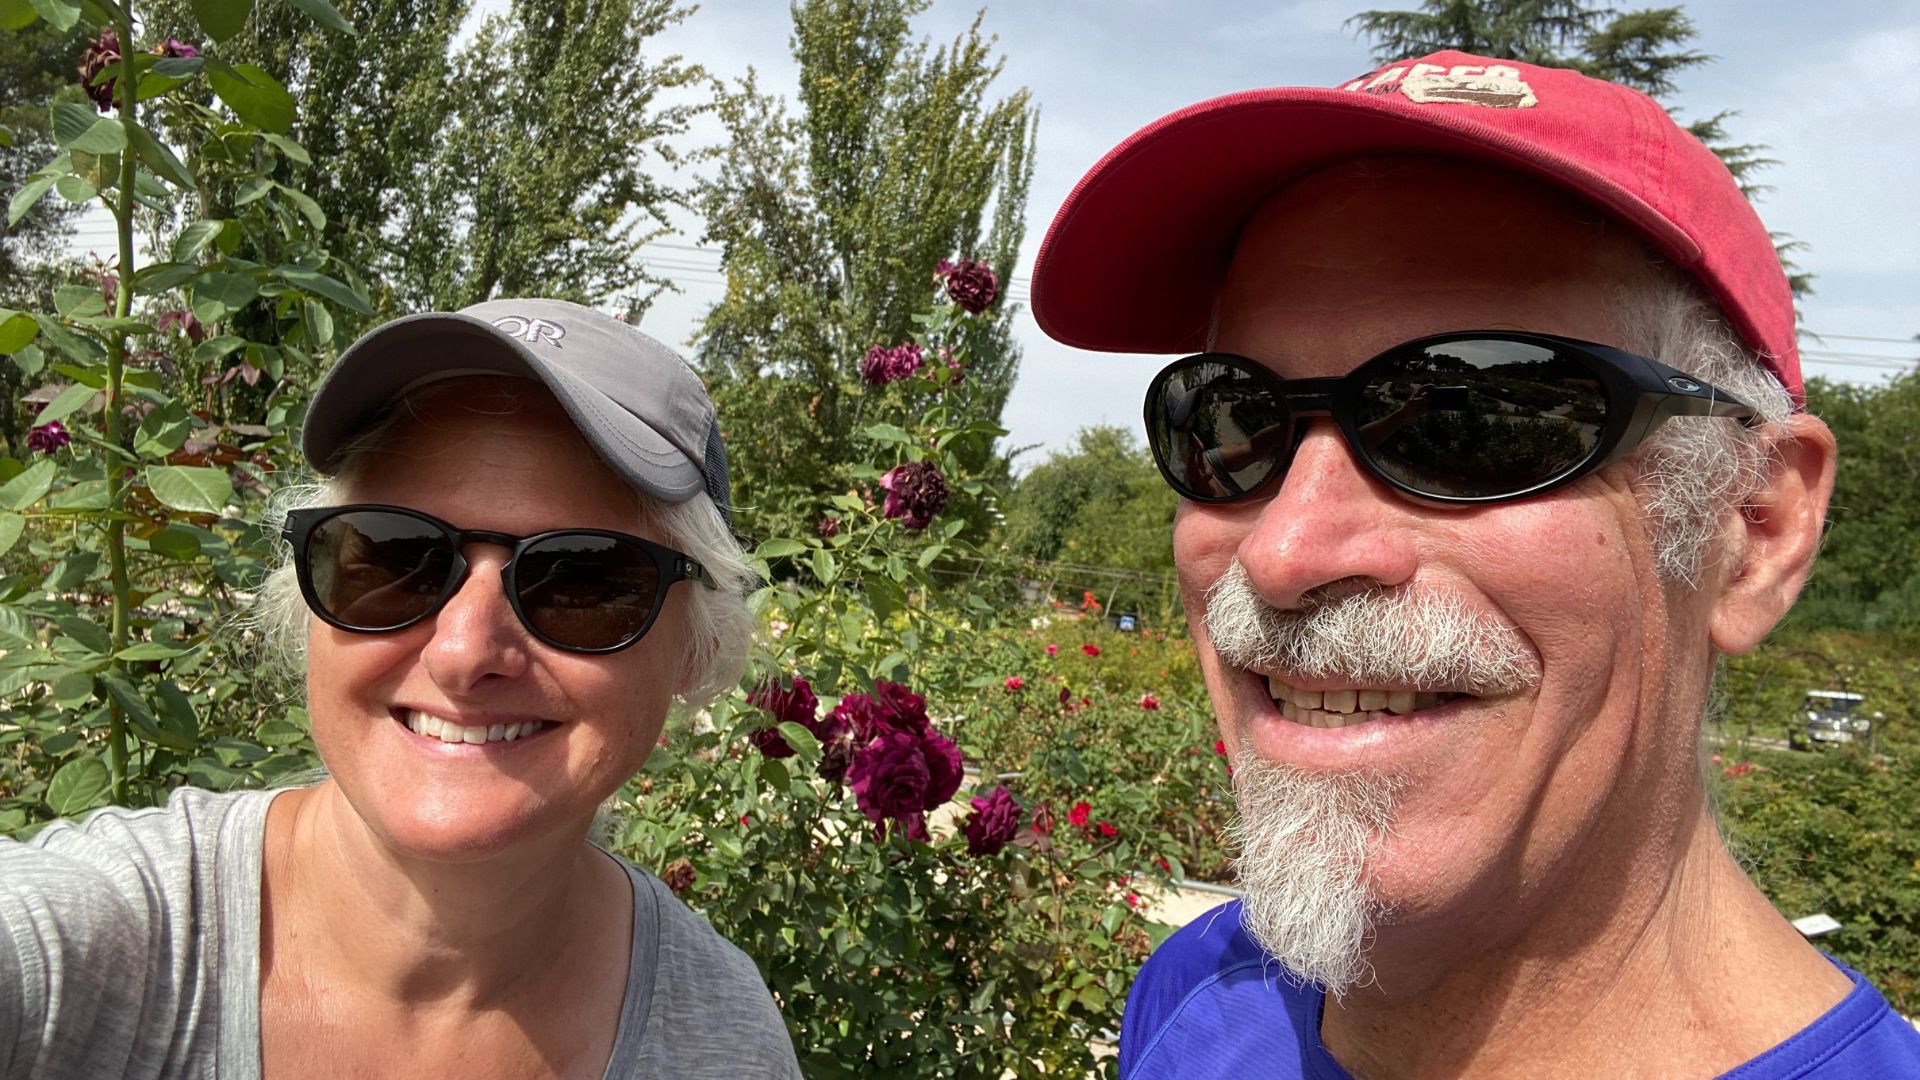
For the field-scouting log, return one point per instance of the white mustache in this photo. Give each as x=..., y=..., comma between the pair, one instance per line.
x=1373, y=637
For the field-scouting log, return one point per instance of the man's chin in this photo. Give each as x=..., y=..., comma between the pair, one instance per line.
x=1304, y=842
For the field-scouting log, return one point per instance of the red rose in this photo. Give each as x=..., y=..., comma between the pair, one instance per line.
x=1149, y=702
x=1107, y=830
x=1015, y=682
x=969, y=284
x=993, y=823
x=1078, y=815
x=1090, y=650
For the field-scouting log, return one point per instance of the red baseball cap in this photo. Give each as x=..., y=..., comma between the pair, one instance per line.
x=1159, y=215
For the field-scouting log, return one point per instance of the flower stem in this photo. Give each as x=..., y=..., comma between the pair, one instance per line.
x=116, y=369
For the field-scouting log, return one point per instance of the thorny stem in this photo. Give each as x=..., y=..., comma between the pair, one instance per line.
x=116, y=367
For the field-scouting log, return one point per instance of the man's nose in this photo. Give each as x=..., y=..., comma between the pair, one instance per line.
x=476, y=635
x=1330, y=521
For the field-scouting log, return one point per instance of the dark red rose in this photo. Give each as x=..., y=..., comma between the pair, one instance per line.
x=796, y=704
x=882, y=365
x=1107, y=830
x=48, y=437
x=828, y=528
x=915, y=493
x=899, y=708
x=101, y=53
x=901, y=773
x=969, y=284
x=994, y=822
x=175, y=49
x=678, y=876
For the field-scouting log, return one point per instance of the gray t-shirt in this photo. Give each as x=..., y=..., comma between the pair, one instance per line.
x=130, y=947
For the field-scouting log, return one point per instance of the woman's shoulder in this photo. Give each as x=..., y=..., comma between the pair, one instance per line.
x=698, y=975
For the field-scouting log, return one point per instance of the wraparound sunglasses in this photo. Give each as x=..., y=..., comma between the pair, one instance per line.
x=1467, y=418
x=373, y=569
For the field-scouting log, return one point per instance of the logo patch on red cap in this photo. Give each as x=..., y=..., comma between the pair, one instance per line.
x=1494, y=86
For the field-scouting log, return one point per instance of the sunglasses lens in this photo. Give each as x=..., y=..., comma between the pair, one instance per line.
x=375, y=570
x=1479, y=418
x=585, y=591
x=1217, y=430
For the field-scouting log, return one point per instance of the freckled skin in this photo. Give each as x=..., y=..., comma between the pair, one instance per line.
x=1541, y=837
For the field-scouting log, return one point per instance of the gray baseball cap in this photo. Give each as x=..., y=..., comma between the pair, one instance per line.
x=638, y=403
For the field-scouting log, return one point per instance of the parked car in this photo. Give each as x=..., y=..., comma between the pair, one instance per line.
x=1830, y=716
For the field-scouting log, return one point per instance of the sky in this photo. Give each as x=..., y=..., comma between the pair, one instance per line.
x=1832, y=88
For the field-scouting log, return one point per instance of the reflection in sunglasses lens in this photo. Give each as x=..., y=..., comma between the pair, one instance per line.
x=589, y=592
x=1216, y=428
x=376, y=570
x=1479, y=418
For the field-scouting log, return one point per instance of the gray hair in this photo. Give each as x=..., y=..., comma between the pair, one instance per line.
x=1693, y=472
x=719, y=623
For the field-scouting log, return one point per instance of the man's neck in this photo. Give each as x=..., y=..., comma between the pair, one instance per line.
x=1690, y=975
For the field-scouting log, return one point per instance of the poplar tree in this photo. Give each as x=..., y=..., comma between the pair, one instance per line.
x=831, y=220
x=1644, y=49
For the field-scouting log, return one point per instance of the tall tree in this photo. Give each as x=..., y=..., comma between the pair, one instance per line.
x=831, y=223
x=1101, y=506
x=527, y=160
x=1644, y=49
x=34, y=61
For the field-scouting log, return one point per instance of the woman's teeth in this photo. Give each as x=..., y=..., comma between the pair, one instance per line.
x=434, y=727
x=1345, y=708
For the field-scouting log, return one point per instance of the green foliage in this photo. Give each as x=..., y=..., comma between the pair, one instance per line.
x=830, y=224
x=1645, y=49
x=890, y=955
x=127, y=546
x=1868, y=575
x=1100, y=505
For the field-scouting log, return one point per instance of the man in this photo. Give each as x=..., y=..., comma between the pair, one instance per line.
x=1496, y=444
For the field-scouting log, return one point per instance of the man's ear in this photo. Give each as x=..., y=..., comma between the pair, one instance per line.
x=1775, y=536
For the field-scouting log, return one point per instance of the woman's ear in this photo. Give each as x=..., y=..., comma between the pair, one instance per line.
x=1774, y=537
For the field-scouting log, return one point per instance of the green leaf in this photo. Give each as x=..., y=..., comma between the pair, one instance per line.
x=74, y=190
x=888, y=433
x=220, y=293
x=24, y=199
x=79, y=786
x=190, y=488
x=79, y=301
x=252, y=94
x=252, y=190
x=11, y=526
x=325, y=287
x=214, y=349
x=324, y=14
x=805, y=746
x=164, y=430
x=72, y=122
x=824, y=566
x=289, y=149
x=16, y=15
x=86, y=632
x=67, y=343
x=60, y=14
x=159, y=157
x=150, y=650
x=66, y=404
x=309, y=209
x=175, y=543
x=30, y=486
x=177, y=66
x=179, y=722
x=17, y=331
x=778, y=547
x=195, y=237
x=221, y=19
x=160, y=277
x=280, y=733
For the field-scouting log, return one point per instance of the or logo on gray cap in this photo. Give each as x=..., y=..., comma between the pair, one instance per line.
x=530, y=329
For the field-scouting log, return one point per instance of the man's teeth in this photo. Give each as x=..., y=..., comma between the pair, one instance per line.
x=1345, y=708
x=433, y=727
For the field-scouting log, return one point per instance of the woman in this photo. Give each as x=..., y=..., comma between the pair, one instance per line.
x=521, y=559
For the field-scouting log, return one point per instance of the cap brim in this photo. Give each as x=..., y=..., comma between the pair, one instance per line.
x=1136, y=254
x=391, y=360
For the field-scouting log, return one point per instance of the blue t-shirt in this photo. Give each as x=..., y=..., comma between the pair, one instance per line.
x=1210, y=1003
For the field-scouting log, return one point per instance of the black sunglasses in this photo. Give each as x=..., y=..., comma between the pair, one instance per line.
x=371, y=569
x=1474, y=417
